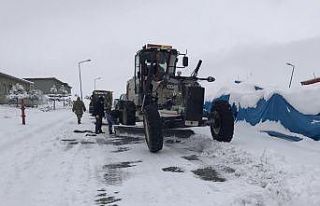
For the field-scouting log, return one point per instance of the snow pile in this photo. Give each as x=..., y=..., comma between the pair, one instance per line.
x=305, y=99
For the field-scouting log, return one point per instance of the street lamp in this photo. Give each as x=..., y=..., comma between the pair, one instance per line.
x=95, y=79
x=88, y=60
x=289, y=64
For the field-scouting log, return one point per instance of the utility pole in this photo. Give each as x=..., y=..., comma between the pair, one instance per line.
x=80, y=81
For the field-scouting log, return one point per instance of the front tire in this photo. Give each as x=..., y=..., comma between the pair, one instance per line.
x=153, y=128
x=222, y=121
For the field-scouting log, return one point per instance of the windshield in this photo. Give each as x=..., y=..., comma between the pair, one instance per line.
x=160, y=57
x=164, y=59
x=172, y=65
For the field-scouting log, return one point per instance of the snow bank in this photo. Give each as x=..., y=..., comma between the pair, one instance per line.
x=305, y=99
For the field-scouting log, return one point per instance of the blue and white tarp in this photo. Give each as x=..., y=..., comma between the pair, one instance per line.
x=278, y=109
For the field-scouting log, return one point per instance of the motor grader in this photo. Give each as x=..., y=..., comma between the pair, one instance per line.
x=160, y=97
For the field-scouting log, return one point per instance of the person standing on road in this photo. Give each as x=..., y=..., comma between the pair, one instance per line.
x=110, y=119
x=98, y=112
x=78, y=108
x=108, y=114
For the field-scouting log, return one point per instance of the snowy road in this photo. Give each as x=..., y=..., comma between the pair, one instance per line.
x=46, y=163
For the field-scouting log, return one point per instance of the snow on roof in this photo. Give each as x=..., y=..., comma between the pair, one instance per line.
x=15, y=78
x=48, y=78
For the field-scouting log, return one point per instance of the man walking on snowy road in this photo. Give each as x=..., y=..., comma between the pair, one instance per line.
x=78, y=108
x=98, y=112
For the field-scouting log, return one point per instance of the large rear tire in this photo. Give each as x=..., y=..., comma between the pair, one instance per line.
x=153, y=128
x=222, y=126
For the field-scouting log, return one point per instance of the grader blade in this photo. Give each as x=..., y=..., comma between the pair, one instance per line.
x=122, y=130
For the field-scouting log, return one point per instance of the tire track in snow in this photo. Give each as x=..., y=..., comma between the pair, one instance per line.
x=40, y=172
x=28, y=163
x=19, y=139
x=267, y=184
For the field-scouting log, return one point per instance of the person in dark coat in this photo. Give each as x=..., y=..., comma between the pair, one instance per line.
x=78, y=108
x=98, y=112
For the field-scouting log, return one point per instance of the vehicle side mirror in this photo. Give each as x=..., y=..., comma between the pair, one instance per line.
x=210, y=79
x=185, y=61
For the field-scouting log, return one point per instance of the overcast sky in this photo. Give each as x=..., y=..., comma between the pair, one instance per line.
x=236, y=39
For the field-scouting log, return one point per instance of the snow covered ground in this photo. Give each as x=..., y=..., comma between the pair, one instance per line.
x=46, y=163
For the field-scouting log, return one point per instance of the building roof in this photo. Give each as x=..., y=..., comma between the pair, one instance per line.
x=310, y=81
x=15, y=78
x=48, y=78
